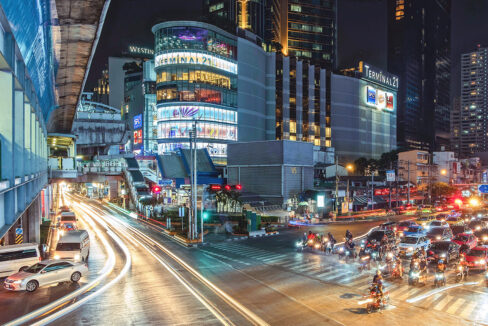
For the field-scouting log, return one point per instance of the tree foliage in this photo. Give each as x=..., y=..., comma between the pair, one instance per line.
x=442, y=189
x=387, y=160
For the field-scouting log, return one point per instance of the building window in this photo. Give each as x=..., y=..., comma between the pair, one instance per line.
x=293, y=127
x=296, y=8
x=216, y=7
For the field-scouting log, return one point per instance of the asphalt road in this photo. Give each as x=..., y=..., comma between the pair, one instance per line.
x=269, y=278
x=258, y=281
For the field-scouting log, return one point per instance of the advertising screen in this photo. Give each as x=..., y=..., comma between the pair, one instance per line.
x=371, y=97
x=138, y=121
x=389, y=101
x=380, y=99
x=138, y=136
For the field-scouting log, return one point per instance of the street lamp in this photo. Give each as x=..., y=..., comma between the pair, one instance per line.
x=350, y=167
x=443, y=171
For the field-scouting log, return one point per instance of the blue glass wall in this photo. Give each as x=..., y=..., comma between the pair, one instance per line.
x=31, y=22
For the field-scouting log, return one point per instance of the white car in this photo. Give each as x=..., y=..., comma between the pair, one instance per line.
x=409, y=244
x=45, y=273
x=437, y=224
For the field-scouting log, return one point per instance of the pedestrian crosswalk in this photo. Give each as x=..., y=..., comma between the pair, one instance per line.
x=328, y=269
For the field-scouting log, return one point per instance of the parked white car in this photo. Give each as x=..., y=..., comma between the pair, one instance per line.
x=409, y=244
x=45, y=273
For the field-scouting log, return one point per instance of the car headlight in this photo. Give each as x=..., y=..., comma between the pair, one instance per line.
x=17, y=282
x=478, y=228
x=299, y=243
x=77, y=257
x=438, y=237
x=61, y=232
x=56, y=257
x=409, y=249
x=485, y=238
x=443, y=255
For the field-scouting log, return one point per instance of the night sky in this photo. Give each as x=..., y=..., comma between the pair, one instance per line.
x=361, y=30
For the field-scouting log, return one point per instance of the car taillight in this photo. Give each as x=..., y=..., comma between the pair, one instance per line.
x=431, y=252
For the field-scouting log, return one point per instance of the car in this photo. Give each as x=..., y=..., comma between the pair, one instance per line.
x=424, y=220
x=441, y=217
x=414, y=230
x=439, y=234
x=45, y=273
x=15, y=258
x=388, y=226
x=410, y=244
x=377, y=235
x=73, y=245
x=437, y=224
x=476, y=225
x=460, y=228
x=446, y=250
x=464, y=239
x=477, y=258
x=453, y=220
x=482, y=236
x=404, y=225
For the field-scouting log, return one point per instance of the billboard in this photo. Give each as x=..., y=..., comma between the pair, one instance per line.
x=138, y=121
x=376, y=75
x=196, y=58
x=380, y=99
x=138, y=136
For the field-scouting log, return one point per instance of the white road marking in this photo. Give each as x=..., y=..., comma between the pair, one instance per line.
x=441, y=304
x=454, y=307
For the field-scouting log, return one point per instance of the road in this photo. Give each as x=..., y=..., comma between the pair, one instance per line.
x=258, y=281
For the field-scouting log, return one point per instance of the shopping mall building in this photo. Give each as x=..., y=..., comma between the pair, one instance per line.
x=234, y=91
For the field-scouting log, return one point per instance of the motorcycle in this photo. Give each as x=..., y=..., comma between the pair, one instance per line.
x=374, y=301
x=364, y=263
x=415, y=276
x=440, y=279
x=397, y=270
x=301, y=245
x=462, y=273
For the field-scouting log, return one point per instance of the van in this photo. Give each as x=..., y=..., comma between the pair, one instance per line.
x=74, y=245
x=15, y=258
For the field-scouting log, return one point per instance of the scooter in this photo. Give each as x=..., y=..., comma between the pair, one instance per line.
x=440, y=279
x=364, y=263
x=462, y=273
x=415, y=276
x=374, y=301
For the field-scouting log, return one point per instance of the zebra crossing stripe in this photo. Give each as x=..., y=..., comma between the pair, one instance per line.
x=468, y=310
x=443, y=303
x=412, y=293
x=455, y=306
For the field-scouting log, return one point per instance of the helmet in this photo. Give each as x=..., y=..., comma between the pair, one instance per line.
x=440, y=261
x=309, y=232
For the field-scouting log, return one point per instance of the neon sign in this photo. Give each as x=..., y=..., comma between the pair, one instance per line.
x=174, y=58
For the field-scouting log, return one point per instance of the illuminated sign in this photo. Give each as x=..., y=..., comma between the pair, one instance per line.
x=140, y=50
x=379, y=99
x=138, y=121
x=378, y=76
x=138, y=136
x=174, y=58
x=320, y=201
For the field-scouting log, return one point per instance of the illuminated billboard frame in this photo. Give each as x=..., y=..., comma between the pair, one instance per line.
x=138, y=121
x=197, y=58
x=380, y=99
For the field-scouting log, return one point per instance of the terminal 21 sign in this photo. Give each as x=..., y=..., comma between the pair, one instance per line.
x=173, y=58
x=380, y=99
x=378, y=76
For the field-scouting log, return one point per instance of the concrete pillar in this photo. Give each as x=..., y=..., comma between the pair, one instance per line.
x=113, y=188
x=32, y=228
x=18, y=133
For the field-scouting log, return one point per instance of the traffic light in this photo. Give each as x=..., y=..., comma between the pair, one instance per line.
x=227, y=187
x=205, y=215
x=238, y=187
x=215, y=187
x=156, y=189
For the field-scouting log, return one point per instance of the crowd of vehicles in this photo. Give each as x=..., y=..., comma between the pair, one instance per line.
x=24, y=267
x=445, y=242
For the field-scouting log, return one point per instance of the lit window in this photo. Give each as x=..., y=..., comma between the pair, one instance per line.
x=296, y=8
x=293, y=127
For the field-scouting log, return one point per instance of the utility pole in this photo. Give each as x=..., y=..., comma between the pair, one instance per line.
x=204, y=188
x=190, y=211
x=336, y=189
x=408, y=182
x=195, y=210
x=348, y=198
x=389, y=192
x=372, y=189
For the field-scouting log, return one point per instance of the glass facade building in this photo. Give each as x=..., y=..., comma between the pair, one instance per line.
x=196, y=80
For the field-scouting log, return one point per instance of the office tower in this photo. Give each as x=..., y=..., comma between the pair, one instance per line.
x=419, y=53
x=474, y=103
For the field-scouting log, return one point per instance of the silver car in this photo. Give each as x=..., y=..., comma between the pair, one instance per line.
x=45, y=273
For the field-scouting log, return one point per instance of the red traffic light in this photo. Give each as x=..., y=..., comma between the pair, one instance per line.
x=156, y=189
x=215, y=187
x=238, y=187
x=227, y=187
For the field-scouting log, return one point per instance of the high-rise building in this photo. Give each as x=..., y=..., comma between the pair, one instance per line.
x=245, y=14
x=473, y=113
x=101, y=91
x=419, y=53
x=306, y=29
x=456, y=125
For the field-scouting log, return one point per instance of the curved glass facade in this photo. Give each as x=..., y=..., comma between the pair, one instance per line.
x=196, y=79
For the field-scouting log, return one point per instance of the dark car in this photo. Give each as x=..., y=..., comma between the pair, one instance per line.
x=403, y=226
x=439, y=234
x=446, y=250
x=482, y=236
x=456, y=229
x=476, y=225
x=379, y=234
x=388, y=226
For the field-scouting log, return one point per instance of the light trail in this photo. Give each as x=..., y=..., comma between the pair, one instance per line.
x=245, y=312
x=106, y=270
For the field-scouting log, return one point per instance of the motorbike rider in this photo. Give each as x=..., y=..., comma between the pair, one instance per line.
x=378, y=282
x=332, y=241
x=463, y=264
x=441, y=266
x=423, y=266
x=349, y=246
x=348, y=235
x=398, y=263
